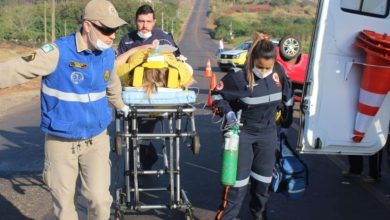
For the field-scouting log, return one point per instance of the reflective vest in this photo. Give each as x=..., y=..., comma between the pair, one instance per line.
x=73, y=98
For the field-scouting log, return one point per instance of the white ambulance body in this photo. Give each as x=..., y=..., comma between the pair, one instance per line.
x=331, y=92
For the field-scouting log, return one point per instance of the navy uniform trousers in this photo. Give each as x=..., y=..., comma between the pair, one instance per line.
x=256, y=159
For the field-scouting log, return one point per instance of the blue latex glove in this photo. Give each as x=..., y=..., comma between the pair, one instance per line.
x=231, y=118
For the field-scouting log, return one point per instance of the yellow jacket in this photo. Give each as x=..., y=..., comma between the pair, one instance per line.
x=139, y=58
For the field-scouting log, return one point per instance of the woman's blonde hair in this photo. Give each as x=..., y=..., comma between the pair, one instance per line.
x=152, y=78
x=261, y=47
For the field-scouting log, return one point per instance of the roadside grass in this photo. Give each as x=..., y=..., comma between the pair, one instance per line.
x=295, y=19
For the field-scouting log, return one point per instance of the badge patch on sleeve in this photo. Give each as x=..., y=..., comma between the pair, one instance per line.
x=106, y=75
x=47, y=48
x=78, y=65
x=275, y=77
x=29, y=58
x=219, y=85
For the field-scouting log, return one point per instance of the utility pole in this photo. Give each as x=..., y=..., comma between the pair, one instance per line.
x=171, y=26
x=162, y=21
x=53, y=21
x=231, y=29
x=45, y=21
x=65, y=31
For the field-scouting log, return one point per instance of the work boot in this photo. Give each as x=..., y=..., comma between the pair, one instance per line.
x=348, y=173
x=262, y=217
x=370, y=179
x=148, y=156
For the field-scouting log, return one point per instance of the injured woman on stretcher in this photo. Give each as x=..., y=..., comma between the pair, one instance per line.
x=152, y=76
x=153, y=68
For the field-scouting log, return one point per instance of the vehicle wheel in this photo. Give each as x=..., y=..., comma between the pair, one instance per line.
x=289, y=47
x=195, y=145
x=118, y=145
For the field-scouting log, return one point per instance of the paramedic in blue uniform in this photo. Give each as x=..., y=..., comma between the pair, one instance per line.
x=78, y=83
x=258, y=90
x=145, y=34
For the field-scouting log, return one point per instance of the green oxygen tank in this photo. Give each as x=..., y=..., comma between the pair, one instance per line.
x=230, y=155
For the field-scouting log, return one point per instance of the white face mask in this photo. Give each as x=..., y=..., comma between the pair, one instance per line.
x=99, y=44
x=261, y=74
x=144, y=35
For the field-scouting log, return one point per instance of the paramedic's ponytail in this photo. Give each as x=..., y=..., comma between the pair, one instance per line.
x=261, y=47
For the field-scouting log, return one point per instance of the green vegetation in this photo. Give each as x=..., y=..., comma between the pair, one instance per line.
x=24, y=22
x=237, y=20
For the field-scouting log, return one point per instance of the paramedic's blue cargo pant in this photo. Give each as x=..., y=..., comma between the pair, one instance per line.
x=256, y=159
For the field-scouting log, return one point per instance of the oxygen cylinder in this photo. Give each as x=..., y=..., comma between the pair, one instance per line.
x=230, y=157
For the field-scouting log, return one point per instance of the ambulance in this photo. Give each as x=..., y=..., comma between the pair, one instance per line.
x=346, y=103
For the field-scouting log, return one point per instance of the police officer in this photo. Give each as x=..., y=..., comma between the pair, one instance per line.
x=146, y=33
x=78, y=82
x=258, y=91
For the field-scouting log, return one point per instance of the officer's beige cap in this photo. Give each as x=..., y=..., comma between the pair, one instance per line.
x=104, y=12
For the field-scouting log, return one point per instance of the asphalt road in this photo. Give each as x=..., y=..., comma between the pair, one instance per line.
x=329, y=195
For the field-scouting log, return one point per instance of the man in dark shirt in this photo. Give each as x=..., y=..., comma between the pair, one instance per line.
x=146, y=33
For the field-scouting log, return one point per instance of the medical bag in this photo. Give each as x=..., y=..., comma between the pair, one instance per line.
x=290, y=173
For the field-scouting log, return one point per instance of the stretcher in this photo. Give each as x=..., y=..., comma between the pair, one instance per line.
x=173, y=110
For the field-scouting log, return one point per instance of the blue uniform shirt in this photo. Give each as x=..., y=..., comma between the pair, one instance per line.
x=131, y=40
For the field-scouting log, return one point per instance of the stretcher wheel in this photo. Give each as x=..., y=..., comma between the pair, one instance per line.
x=118, y=145
x=119, y=215
x=195, y=146
x=188, y=214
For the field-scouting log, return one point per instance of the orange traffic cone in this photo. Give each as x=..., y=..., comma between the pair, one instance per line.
x=375, y=84
x=213, y=81
x=209, y=100
x=207, y=72
x=213, y=84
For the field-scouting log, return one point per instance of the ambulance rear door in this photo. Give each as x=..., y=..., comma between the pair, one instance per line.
x=331, y=92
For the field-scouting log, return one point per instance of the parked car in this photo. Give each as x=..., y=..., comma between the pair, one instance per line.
x=289, y=56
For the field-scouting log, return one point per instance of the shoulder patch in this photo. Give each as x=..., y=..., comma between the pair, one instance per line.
x=30, y=57
x=275, y=77
x=47, y=48
x=129, y=42
x=219, y=85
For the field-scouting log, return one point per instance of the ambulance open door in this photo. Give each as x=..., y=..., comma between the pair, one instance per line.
x=332, y=95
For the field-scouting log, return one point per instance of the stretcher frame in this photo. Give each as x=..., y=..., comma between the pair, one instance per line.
x=127, y=199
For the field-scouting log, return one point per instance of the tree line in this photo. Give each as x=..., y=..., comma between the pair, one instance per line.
x=25, y=23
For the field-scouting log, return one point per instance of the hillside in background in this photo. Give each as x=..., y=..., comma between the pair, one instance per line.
x=236, y=20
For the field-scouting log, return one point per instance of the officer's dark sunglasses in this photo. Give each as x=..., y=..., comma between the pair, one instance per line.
x=104, y=30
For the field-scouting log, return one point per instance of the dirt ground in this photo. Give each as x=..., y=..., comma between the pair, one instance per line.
x=17, y=95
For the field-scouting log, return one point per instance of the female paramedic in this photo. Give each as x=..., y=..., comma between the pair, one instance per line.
x=258, y=90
